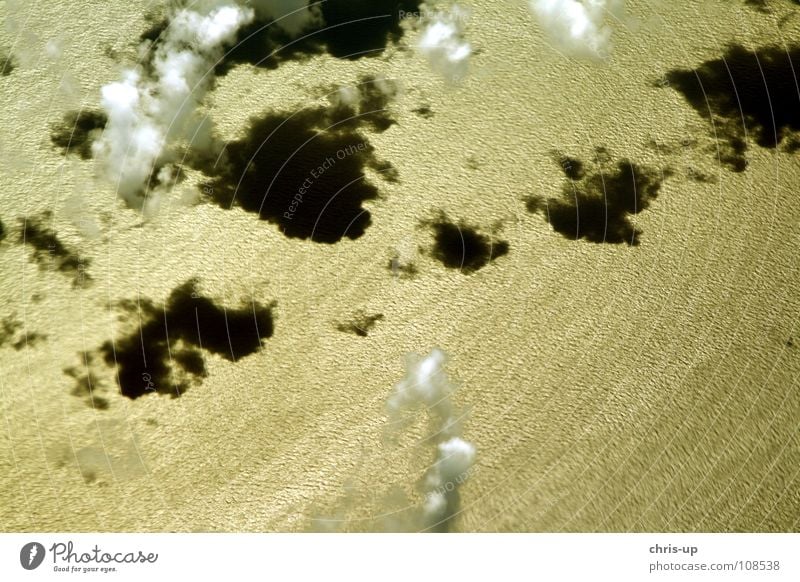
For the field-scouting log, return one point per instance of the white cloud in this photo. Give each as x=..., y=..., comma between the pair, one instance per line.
x=426, y=385
x=149, y=113
x=578, y=27
x=443, y=44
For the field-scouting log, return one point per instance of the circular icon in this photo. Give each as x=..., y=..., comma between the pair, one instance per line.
x=31, y=555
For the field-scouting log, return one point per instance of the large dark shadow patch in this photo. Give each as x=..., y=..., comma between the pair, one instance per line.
x=50, y=252
x=352, y=29
x=597, y=205
x=76, y=132
x=459, y=245
x=164, y=352
x=349, y=29
x=357, y=28
x=746, y=93
x=304, y=171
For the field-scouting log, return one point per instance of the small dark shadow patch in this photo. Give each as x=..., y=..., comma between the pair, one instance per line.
x=598, y=206
x=763, y=5
x=50, y=253
x=163, y=353
x=29, y=340
x=7, y=64
x=760, y=5
x=701, y=177
x=87, y=383
x=424, y=111
x=14, y=334
x=304, y=171
x=157, y=25
x=474, y=162
x=9, y=327
x=573, y=168
x=401, y=269
x=360, y=324
x=745, y=92
x=459, y=245
x=76, y=132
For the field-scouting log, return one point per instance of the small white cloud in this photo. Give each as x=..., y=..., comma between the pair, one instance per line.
x=578, y=27
x=443, y=44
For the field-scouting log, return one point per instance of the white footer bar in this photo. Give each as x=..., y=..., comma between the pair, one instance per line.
x=388, y=557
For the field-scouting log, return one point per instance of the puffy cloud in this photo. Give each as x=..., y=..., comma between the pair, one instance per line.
x=152, y=109
x=577, y=27
x=426, y=385
x=442, y=42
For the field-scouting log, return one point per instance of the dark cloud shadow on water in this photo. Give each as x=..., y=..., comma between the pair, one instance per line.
x=50, y=252
x=7, y=63
x=401, y=269
x=462, y=246
x=763, y=5
x=357, y=28
x=352, y=29
x=86, y=382
x=164, y=353
x=360, y=324
x=424, y=111
x=747, y=95
x=304, y=171
x=597, y=205
x=15, y=333
x=573, y=168
x=76, y=132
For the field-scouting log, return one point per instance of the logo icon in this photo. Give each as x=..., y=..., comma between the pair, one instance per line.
x=31, y=555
